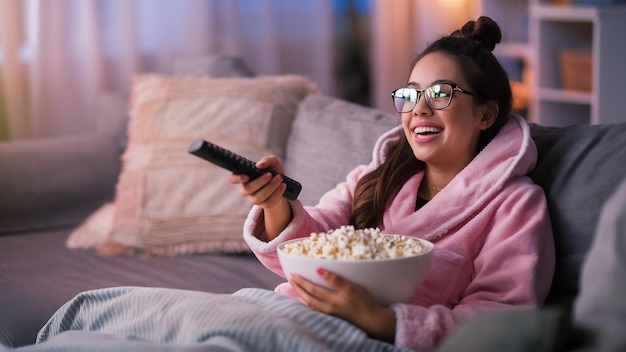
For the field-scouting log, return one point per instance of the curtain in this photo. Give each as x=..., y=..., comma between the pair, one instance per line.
x=13, y=103
x=58, y=56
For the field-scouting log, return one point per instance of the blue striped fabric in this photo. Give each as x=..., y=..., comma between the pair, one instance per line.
x=159, y=319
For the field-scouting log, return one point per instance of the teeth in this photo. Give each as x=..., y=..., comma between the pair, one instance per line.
x=419, y=130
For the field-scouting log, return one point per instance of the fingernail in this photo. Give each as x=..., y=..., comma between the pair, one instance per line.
x=321, y=271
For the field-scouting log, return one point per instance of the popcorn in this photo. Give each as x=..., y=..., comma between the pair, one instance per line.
x=350, y=244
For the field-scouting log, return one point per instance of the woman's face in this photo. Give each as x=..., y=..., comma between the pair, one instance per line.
x=448, y=138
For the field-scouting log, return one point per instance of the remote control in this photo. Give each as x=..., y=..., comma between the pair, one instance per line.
x=239, y=164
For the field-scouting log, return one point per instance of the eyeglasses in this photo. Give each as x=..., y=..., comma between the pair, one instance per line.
x=438, y=96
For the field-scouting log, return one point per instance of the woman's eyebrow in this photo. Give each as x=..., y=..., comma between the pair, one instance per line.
x=444, y=81
x=414, y=84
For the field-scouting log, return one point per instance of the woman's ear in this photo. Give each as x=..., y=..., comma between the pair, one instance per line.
x=489, y=115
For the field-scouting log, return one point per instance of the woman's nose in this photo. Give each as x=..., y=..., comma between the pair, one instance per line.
x=421, y=106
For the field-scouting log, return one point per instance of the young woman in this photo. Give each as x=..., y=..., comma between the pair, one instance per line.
x=454, y=174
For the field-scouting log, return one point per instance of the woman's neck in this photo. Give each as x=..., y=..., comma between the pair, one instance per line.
x=434, y=181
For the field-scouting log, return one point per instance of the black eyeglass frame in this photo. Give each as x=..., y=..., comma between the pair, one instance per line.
x=420, y=92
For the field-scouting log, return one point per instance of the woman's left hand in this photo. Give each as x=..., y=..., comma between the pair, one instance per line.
x=350, y=302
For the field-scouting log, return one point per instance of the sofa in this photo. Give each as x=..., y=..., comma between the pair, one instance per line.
x=51, y=187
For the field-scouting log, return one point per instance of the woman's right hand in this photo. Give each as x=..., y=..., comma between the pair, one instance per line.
x=267, y=192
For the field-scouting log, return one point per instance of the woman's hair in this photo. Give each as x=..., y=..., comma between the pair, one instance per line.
x=472, y=47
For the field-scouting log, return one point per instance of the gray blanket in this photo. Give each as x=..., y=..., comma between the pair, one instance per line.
x=157, y=319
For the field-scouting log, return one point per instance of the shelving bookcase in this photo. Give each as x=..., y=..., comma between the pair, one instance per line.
x=536, y=30
x=598, y=28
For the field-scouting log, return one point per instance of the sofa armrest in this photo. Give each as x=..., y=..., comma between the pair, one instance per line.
x=55, y=181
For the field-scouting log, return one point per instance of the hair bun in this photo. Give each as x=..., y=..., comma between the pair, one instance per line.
x=484, y=30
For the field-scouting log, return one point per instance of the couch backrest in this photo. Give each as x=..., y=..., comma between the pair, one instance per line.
x=329, y=137
x=579, y=167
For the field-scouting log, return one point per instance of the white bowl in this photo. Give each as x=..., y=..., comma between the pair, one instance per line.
x=389, y=280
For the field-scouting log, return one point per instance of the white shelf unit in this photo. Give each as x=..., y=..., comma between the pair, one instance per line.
x=600, y=29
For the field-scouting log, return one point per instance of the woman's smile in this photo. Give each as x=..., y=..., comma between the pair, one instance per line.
x=426, y=133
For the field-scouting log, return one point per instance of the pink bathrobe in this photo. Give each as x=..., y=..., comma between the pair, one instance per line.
x=494, y=248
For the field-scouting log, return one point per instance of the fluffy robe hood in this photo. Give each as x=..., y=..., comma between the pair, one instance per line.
x=511, y=153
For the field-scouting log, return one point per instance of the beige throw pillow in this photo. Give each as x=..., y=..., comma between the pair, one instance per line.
x=169, y=202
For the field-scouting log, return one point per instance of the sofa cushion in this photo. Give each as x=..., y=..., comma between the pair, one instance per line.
x=38, y=274
x=512, y=331
x=600, y=306
x=579, y=167
x=55, y=182
x=330, y=137
x=169, y=202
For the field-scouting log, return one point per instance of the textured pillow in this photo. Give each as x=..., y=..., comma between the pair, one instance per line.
x=95, y=230
x=328, y=139
x=579, y=167
x=169, y=202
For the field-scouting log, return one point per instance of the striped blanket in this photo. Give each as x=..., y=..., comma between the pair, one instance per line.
x=158, y=319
